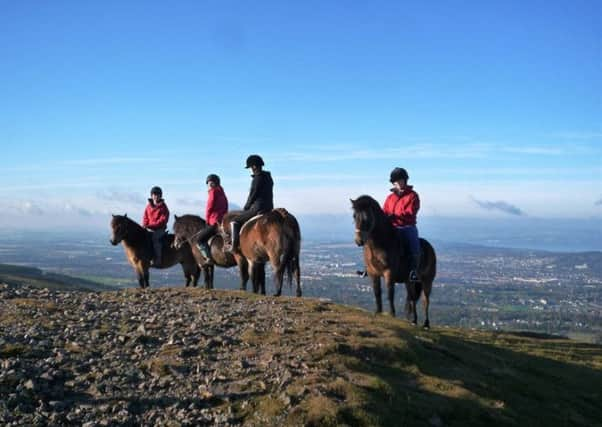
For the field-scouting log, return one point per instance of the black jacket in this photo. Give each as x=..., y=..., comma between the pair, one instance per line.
x=261, y=197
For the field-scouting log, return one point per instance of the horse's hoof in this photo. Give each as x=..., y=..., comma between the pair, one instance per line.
x=299, y=294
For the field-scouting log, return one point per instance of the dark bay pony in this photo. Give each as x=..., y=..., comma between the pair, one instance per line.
x=137, y=243
x=274, y=237
x=384, y=258
x=186, y=228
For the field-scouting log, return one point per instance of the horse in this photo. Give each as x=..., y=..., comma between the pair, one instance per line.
x=138, y=246
x=186, y=228
x=275, y=237
x=384, y=257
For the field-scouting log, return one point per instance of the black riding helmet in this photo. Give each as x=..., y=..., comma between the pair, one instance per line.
x=397, y=174
x=254, y=160
x=213, y=178
x=156, y=190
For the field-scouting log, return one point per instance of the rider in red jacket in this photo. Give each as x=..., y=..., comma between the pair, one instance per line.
x=402, y=206
x=155, y=219
x=216, y=208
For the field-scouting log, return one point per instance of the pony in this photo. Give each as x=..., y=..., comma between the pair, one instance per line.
x=186, y=228
x=137, y=243
x=275, y=237
x=384, y=257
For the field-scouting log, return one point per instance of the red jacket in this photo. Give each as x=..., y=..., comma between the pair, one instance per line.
x=155, y=216
x=402, y=208
x=217, y=205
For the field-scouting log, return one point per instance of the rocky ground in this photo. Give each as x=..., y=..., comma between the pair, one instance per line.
x=169, y=356
x=196, y=357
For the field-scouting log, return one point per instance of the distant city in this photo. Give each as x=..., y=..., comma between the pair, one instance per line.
x=477, y=286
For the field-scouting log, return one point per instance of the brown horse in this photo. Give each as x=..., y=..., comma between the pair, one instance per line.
x=186, y=228
x=274, y=237
x=137, y=243
x=384, y=257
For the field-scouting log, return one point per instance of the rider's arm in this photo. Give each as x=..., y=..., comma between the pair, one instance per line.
x=210, y=204
x=253, y=192
x=145, y=220
x=163, y=217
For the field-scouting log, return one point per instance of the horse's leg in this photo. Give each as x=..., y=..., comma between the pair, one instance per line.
x=146, y=278
x=377, y=293
x=206, y=276
x=278, y=278
x=252, y=269
x=140, y=276
x=196, y=275
x=244, y=273
x=262, y=278
x=211, y=275
x=390, y=281
x=298, y=276
x=426, y=302
x=411, y=299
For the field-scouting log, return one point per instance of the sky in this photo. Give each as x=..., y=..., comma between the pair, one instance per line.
x=494, y=108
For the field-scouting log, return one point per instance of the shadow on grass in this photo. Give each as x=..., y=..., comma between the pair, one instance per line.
x=436, y=378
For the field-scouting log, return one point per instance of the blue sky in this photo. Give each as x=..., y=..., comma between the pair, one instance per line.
x=493, y=107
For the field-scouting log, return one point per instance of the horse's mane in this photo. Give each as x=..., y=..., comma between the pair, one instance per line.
x=190, y=219
x=367, y=203
x=139, y=233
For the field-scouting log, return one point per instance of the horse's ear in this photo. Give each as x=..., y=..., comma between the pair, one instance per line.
x=352, y=202
x=113, y=215
x=176, y=217
x=125, y=215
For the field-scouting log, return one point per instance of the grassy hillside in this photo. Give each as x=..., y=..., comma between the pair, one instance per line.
x=16, y=275
x=191, y=356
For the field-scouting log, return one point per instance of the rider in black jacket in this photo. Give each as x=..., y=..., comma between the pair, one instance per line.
x=260, y=200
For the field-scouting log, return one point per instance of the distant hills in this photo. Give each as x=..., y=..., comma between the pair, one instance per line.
x=17, y=275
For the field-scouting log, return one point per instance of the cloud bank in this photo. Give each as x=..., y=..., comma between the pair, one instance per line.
x=500, y=205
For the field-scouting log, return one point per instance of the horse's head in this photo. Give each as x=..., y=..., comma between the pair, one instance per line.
x=186, y=227
x=178, y=233
x=119, y=229
x=364, y=217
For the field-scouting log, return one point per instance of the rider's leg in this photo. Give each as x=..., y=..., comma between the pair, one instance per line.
x=158, y=247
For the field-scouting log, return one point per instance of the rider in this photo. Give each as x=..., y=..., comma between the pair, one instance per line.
x=155, y=219
x=260, y=200
x=216, y=208
x=401, y=206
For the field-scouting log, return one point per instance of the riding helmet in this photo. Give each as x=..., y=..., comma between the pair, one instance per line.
x=157, y=190
x=254, y=160
x=397, y=174
x=213, y=178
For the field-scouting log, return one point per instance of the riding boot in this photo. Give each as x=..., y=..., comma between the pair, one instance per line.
x=234, y=236
x=414, y=267
x=204, y=248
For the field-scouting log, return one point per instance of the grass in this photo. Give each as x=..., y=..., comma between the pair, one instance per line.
x=385, y=372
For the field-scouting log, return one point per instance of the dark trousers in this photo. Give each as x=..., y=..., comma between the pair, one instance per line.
x=409, y=239
x=246, y=215
x=157, y=244
x=207, y=233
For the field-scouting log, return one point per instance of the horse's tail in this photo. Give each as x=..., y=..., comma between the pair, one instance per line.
x=291, y=239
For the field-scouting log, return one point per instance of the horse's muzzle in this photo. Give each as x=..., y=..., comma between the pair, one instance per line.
x=114, y=242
